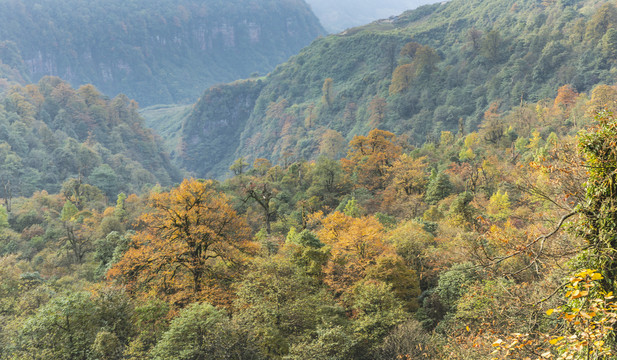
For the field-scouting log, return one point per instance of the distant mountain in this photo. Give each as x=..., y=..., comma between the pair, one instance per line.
x=154, y=51
x=441, y=67
x=12, y=67
x=339, y=15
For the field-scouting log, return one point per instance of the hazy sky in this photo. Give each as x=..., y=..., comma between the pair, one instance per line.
x=338, y=15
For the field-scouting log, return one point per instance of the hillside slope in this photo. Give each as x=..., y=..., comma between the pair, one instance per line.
x=439, y=67
x=50, y=133
x=157, y=52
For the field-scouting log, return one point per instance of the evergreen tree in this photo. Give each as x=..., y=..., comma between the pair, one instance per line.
x=439, y=187
x=599, y=213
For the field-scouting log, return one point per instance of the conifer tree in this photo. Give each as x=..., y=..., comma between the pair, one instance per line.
x=438, y=188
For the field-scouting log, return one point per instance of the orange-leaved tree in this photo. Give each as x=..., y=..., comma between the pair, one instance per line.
x=370, y=157
x=189, y=237
x=404, y=193
x=355, y=243
x=359, y=253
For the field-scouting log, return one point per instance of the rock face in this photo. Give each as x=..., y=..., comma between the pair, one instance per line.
x=215, y=125
x=155, y=51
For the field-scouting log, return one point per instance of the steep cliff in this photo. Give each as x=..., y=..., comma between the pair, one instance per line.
x=214, y=127
x=155, y=51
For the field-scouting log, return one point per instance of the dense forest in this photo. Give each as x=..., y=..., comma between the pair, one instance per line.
x=437, y=68
x=441, y=185
x=51, y=133
x=462, y=248
x=156, y=52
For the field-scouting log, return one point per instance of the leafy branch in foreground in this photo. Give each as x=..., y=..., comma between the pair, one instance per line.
x=588, y=319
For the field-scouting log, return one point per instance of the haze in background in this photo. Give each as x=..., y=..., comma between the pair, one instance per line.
x=339, y=15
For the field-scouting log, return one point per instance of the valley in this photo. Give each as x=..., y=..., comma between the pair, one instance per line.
x=210, y=179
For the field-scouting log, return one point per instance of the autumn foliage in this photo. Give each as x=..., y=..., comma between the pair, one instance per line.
x=454, y=249
x=190, y=239
x=355, y=244
x=370, y=157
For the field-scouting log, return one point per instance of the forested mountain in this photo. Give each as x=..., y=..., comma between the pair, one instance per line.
x=51, y=133
x=493, y=244
x=337, y=16
x=439, y=67
x=12, y=68
x=440, y=185
x=157, y=52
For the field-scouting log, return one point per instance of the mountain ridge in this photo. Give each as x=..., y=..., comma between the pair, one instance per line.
x=340, y=15
x=438, y=68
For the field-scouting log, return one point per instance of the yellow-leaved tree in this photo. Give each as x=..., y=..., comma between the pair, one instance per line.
x=370, y=157
x=359, y=253
x=191, y=240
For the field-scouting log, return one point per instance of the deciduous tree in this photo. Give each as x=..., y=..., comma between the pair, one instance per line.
x=204, y=332
x=401, y=78
x=282, y=304
x=78, y=229
x=261, y=189
x=378, y=109
x=189, y=233
x=355, y=245
x=409, y=175
x=327, y=93
x=370, y=157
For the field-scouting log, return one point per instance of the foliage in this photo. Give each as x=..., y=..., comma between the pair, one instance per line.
x=76, y=326
x=434, y=235
x=376, y=312
x=499, y=205
x=438, y=68
x=191, y=231
x=51, y=133
x=355, y=243
x=591, y=313
x=331, y=343
x=64, y=329
x=588, y=317
x=438, y=188
x=325, y=283
x=370, y=157
x=230, y=102
x=202, y=331
x=599, y=223
x=4, y=218
x=281, y=304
